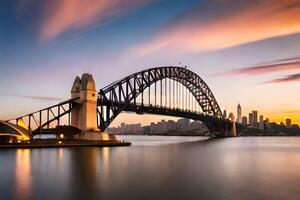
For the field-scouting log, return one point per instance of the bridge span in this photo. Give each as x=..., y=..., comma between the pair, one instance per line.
x=170, y=90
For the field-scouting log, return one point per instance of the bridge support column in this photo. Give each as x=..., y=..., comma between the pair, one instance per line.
x=85, y=117
x=75, y=93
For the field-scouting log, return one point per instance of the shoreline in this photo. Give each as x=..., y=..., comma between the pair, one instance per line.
x=58, y=143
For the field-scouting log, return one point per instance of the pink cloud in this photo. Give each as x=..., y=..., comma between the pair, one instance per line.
x=289, y=78
x=242, y=22
x=66, y=15
x=41, y=98
x=270, y=67
x=265, y=69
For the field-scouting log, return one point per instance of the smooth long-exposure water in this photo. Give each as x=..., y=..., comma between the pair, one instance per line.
x=157, y=168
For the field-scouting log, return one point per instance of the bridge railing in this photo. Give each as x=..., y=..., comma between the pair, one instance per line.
x=46, y=117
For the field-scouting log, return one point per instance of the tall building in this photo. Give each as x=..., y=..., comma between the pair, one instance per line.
x=288, y=123
x=250, y=119
x=239, y=114
x=267, y=124
x=255, y=118
x=244, y=121
x=225, y=113
x=267, y=120
x=261, y=122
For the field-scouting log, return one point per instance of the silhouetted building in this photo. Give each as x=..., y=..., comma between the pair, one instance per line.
x=282, y=124
x=239, y=114
x=244, y=121
x=267, y=120
x=261, y=122
x=288, y=123
x=250, y=119
x=295, y=126
x=267, y=124
x=254, y=118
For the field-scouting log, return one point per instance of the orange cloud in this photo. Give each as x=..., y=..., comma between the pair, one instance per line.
x=66, y=15
x=248, y=22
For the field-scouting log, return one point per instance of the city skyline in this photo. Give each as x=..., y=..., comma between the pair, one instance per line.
x=255, y=120
x=44, y=46
x=157, y=118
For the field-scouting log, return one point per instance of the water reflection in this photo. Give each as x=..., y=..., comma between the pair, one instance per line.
x=23, y=174
x=105, y=161
x=84, y=171
x=235, y=168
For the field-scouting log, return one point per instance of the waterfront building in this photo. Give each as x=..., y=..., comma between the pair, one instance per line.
x=171, y=125
x=244, y=121
x=254, y=118
x=157, y=128
x=196, y=125
x=162, y=126
x=239, y=114
x=186, y=123
x=288, y=123
x=130, y=129
x=13, y=133
x=250, y=119
x=153, y=128
x=267, y=124
x=180, y=124
x=261, y=122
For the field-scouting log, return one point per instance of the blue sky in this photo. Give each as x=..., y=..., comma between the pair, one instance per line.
x=45, y=44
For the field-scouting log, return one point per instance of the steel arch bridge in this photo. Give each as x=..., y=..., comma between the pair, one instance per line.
x=170, y=90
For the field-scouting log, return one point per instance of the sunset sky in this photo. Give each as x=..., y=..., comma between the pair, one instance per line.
x=247, y=51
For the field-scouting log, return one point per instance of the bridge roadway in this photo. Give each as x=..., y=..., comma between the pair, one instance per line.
x=214, y=124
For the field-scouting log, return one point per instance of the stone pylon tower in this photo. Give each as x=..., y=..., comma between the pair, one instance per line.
x=75, y=92
x=85, y=118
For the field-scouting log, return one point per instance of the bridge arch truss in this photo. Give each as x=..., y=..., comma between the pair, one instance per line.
x=169, y=87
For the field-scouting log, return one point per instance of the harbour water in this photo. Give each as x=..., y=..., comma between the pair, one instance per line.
x=157, y=167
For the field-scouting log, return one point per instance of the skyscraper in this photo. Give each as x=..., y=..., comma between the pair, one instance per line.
x=255, y=119
x=250, y=119
x=239, y=114
x=261, y=122
x=244, y=121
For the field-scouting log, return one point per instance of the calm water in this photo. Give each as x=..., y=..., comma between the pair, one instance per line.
x=157, y=168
